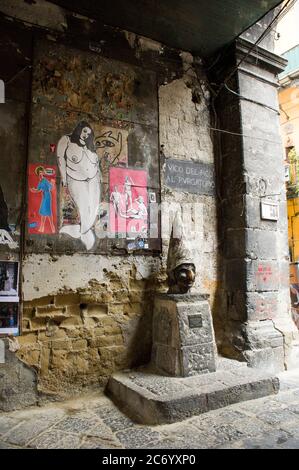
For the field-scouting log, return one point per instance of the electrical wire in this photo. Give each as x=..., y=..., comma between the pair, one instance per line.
x=284, y=13
x=263, y=35
x=238, y=134
x=251, y=101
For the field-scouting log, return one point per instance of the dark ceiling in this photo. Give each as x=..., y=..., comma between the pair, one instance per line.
x=199, y=26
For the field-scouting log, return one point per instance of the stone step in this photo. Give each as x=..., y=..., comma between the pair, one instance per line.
x=149, y=398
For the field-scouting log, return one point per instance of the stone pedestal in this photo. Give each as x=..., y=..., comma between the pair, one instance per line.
x=183, y=335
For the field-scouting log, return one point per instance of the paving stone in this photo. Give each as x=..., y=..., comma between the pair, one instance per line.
x=118, y=423
x=290, y=376
x=288, y=385
x=6, y=445
x=7, y=423
x=101, y=430
x=224, y=417
x=103, y=434
x=251, y=427
x=294, y=408
x=289, y=380
x=270, y=423
x=260, y=406
x=167, y=444
x=76, y=425
x=56, y=439
x=137, y=438
x=231, y=445
x=291, y=428
x=278, y=416
x=31, y=428
x=291, y=443
x=113, y=418
x=290, y=396
x=96, y=443
x=187, y=436
x=177, y=444
x=223, y=433
x=267, y=441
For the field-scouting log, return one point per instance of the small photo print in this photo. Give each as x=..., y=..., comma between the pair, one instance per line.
x=9, y=278
x=9, y=318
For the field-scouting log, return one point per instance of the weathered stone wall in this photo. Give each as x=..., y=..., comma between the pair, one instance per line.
x=87, y=315
x=254, y=322
x=99, y=321
x=185, y=135
x=18, y=381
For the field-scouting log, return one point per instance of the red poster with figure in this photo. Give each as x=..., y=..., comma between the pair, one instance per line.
x=42, y=199
x=128, y=202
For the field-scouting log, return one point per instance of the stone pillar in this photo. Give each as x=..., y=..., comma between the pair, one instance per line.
x=254, y=322
x=183, y=335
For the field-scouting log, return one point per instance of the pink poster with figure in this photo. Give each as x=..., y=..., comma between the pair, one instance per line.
x=128, y=202
x=42, y=196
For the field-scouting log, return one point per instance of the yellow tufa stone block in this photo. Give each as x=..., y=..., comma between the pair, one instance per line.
x=97, y=310
x=71, y=298
x=30, y=356
x=28, y=312
x=53, y=332
x=89, y=322
x=58, y=360
x=102, y=341
x=61, y=344
x=37, y=324
x=27, y=339
x=71, y=322
x=73, y=310
x=112, y=329
x=26, y=325
x=79, y=345
x=41, y=302
x=116, y=309
x=51, y=311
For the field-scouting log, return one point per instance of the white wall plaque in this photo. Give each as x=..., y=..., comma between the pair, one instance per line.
x=269, y=210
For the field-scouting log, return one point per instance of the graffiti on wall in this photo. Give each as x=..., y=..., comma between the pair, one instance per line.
x=42, y=199
x=93, y=170
x=112, y=148
x=128, y=211
x=79, y=168
x=111, y=145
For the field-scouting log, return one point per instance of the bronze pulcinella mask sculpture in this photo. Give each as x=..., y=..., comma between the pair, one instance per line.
x=180, y=266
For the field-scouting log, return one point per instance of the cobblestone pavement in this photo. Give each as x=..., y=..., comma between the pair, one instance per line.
x=93, y=422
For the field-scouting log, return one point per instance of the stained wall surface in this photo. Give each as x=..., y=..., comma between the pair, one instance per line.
x=87, y=300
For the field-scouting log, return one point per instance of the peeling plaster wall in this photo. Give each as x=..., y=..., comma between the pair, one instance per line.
x=46, y=275
x=87, y=315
